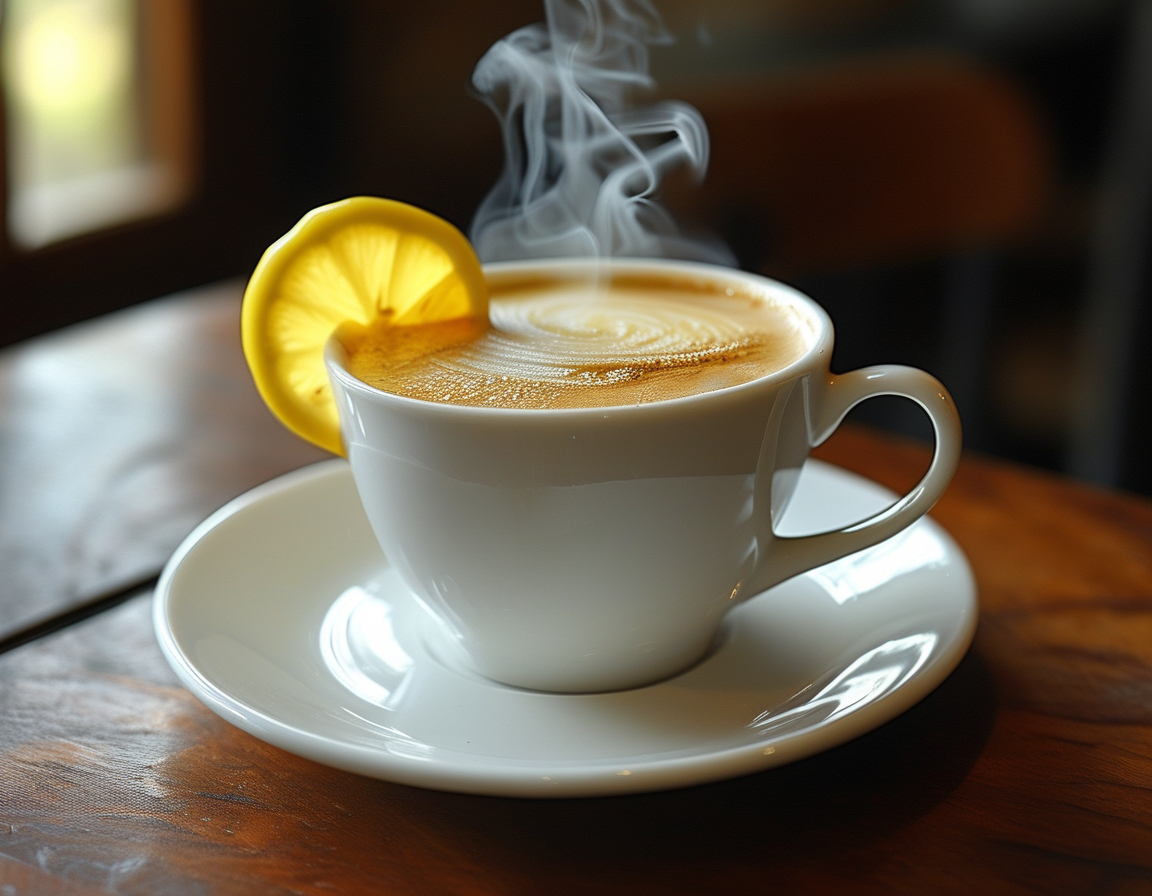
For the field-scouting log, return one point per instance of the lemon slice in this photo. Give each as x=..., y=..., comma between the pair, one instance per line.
x=349, y=262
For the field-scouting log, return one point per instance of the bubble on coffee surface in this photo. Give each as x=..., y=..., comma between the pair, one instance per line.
x=569, y=347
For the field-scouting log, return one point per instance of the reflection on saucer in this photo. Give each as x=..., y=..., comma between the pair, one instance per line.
x=877, y=673
x=359, y=646
x=857, y=574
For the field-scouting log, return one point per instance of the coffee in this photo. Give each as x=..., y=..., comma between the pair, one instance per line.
x=575, y=344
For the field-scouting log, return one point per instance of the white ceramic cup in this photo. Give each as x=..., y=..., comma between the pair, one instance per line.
x=598, y=549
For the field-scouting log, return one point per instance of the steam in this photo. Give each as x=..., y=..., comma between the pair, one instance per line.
x=581, y=163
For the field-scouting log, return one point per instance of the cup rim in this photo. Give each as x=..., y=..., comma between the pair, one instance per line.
x=821, y=344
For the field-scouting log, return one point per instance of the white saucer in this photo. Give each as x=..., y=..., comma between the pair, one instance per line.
x=281, y=614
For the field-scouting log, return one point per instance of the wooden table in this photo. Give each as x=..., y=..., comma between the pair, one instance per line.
x=1029, y=770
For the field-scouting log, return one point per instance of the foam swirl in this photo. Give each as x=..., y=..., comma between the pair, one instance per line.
x=565, y=338
x=576, y=347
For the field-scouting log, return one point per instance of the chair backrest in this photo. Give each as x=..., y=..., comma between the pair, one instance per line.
x=866, y=163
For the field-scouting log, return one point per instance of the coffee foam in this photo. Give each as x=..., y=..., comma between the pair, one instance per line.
x=575, y=345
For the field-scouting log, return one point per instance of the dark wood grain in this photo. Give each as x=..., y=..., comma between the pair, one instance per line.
x=116, y=437
x=1028, y=771
x=131, y=784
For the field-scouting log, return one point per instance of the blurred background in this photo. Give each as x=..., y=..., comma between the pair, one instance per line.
x=965, y=185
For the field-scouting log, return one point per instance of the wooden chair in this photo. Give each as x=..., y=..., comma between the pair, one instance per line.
x=865, y=163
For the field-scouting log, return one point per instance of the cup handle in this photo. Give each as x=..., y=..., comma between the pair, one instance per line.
x=790, y=556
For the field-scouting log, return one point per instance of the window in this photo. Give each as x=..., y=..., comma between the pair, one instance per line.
x=98, y=114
